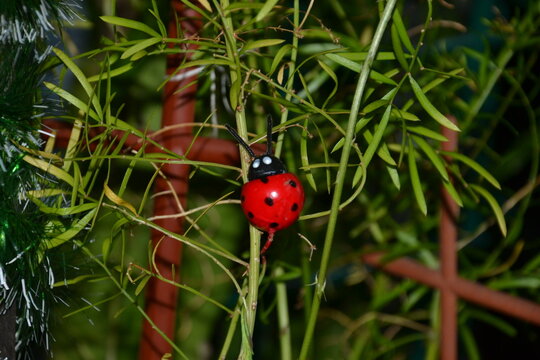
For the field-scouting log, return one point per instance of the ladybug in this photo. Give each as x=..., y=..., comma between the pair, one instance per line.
x=273, y=198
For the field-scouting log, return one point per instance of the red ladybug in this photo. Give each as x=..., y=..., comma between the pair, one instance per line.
x=272, y=199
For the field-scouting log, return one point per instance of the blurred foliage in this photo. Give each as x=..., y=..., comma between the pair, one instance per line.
x=472, y=62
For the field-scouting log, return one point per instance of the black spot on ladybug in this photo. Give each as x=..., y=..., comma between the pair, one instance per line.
x=292, y=183
x=242, y=198
x=250, y=215
x=268, y=201
x=274, y=225
x=264, y=180
x=294, y=207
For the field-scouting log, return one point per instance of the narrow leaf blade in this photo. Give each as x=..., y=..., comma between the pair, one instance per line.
x=415, y=180
x=497, y=211
x=428, y=106
x=132, y=24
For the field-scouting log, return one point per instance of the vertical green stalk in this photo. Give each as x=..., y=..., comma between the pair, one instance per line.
x=230, y=333
x=292, y=69
x=249, y=309
x=340, y=179
x=284, y=324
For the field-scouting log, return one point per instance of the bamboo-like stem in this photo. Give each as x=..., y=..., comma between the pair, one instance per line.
x=284, y=324
x=292, y=69
x=249, y=309
x=340, y=179
x=230, y=331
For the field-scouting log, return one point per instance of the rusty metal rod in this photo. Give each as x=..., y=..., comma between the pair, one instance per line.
x=468, y=290
x=448, y=237
x=178, y=108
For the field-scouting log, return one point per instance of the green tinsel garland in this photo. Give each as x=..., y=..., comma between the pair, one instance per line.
x=31, y=20
x=27, y=273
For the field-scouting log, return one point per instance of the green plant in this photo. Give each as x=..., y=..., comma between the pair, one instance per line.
x=360, y=109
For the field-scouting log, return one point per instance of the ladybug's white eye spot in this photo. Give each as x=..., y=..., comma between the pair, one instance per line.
x=256, y=163
x=267, y=160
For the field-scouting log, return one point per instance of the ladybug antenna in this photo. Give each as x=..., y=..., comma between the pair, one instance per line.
x=241, y=141
x=269, y=135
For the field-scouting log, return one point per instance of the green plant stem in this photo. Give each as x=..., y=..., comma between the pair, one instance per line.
x=284, y=327
x=230, y=332
x=249, y=309
x=292, y=69
x=340, y=179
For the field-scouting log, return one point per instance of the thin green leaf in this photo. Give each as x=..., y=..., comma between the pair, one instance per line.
x=453, y=192
x=267, y=7
x=206, y=62
x=62, y=211
x=398, y=50
x=420, y=130
x=106, y=248
x=142, y=283
x=532, y=265
x=374, y=145
x=71, y=148
x=326, y=157
x=262, y=43
x=402, y=31
x=400, y=114
x=234, y=93
x=333, y=76
x=155, y=12
x=377, y=104
x=306, y=88
x=471, y=348
x=415, y=180
x=279, y=55
x=356, y=67
x=394, y=176
x=434, y=83
x=381, y=78
x=338, y=145
x=428, y=106
x=138, y=55
x=77, y=72
x=361, y=56
x=475, y=166
x=73, y=230
x=141, y=45
x=112, y=73
x=383, y=151
x=304, y=156
x=206, y=5
x=49, y=168
x=494, y=206
x=276, y=99
x=522, y=282
x=413, y=297
x=493, y=320
x=357, y=175
x=78, y=279
x=132, y=24
x=73, y=100
x=432, y=156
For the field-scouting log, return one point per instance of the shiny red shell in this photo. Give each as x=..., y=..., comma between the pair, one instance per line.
x=273, y=202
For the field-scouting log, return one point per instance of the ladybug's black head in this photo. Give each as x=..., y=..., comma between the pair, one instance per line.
x=263, y=165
